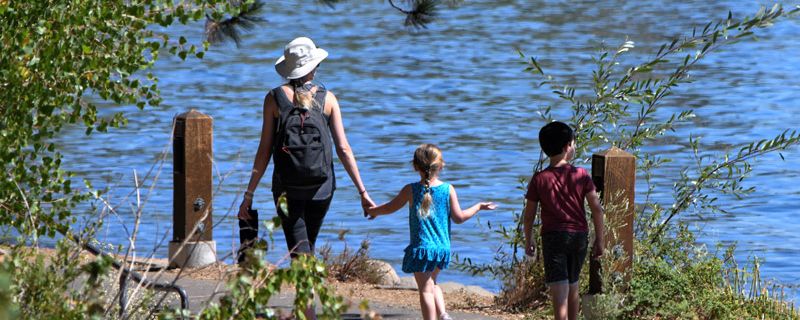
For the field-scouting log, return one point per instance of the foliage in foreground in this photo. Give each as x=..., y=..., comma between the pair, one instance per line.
x=673, y=277
x=251, y=290
x=257, y=281
x=69, y=284
x=57, y=286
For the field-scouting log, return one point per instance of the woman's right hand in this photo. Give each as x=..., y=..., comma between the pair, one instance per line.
x=370, y=213
x=244, y=208
x=366, y=202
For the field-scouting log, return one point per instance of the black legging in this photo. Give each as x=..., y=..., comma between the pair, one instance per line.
x=301, y=226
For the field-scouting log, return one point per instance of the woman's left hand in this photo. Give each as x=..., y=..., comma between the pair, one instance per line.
x=366, y=202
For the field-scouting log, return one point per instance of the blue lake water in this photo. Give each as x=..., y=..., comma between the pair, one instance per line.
x=459, y=84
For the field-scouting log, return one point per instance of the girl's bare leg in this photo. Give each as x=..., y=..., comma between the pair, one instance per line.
x=438, y=295
x=426, y=294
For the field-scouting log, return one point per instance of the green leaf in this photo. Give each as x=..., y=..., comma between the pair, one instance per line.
x=283, y=203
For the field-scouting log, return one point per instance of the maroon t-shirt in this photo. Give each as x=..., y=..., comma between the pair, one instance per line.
x=561, y=192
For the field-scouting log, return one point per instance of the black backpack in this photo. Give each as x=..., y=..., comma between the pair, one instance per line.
x=302, y=147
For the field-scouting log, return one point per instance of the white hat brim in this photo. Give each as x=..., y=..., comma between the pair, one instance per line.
x=289, y=72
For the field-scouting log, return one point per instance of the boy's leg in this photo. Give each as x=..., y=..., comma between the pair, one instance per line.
x=426, y=294
x=554, y=254
x=574, y=301
x=559, y=293
x=577, y=244
x=438, y=295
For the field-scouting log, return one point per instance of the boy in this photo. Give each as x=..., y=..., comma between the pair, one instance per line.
x=561, y=189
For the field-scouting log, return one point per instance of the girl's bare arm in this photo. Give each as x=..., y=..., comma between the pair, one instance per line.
x=395, y=204
x=459, y=216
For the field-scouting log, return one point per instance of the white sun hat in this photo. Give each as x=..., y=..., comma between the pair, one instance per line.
x=299, y=58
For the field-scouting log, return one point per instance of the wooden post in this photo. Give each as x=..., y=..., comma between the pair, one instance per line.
x=614, y=176
x=192, y=159
x=192, y=150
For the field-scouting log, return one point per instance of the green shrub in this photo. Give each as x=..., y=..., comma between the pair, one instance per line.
x=57, y=286
x=257, y=282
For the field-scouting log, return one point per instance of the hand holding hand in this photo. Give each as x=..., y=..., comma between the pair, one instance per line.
x=366, y=202
x=371, y=212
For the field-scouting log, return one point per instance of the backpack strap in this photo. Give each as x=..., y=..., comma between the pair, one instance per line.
x=284, y=108
x=283, y=102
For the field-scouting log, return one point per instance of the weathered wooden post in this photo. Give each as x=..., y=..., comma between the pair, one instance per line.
x=192, y=243
x=614, y=176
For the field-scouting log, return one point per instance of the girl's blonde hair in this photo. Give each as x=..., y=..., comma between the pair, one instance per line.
x=428, y=162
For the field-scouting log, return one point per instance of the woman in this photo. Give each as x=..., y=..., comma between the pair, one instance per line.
x=300, y=120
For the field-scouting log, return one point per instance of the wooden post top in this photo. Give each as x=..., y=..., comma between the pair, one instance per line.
x=614, y=152
x=193, y=114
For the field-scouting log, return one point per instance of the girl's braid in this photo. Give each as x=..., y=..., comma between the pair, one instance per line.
x=428, y=179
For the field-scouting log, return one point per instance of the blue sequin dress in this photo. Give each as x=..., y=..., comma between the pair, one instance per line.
x=430, y=236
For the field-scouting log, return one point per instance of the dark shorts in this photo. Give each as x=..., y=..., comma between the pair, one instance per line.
x=302, y=223
x=564, y=253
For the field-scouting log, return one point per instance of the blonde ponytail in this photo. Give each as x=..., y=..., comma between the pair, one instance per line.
x=302, y=96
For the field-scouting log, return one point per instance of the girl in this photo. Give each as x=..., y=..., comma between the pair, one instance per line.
x=432, y=205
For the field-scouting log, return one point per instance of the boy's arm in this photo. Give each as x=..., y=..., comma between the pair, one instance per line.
x=529, y=216
x=597, y=219
x=395, y=204
x=459, y=216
